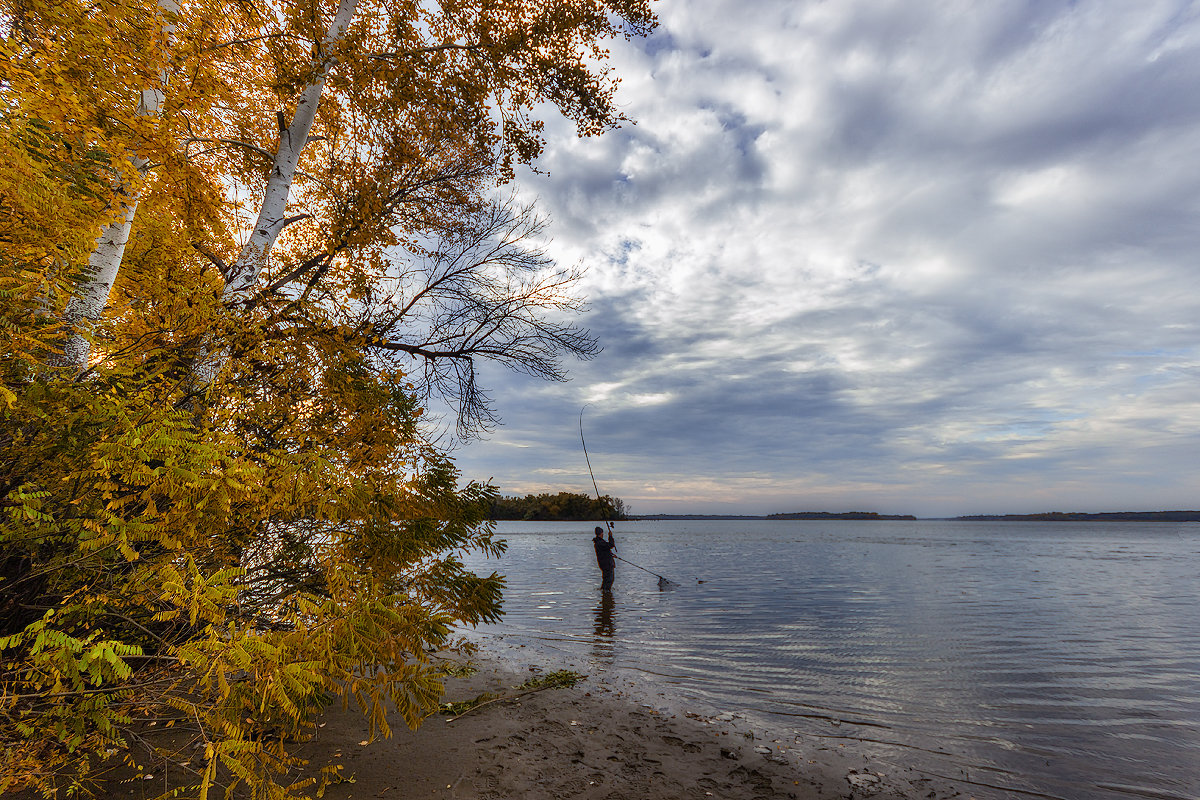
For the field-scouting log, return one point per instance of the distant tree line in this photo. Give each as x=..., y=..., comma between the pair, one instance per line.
x=568, y=506
x=840, y=515
x=1077, y=516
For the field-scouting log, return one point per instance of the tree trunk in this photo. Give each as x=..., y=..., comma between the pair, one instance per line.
x=91, y=296
x=244, y=273
x=242, y=277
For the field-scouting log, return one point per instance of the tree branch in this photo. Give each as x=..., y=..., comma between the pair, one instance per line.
x=216, y=260
x=420, y=51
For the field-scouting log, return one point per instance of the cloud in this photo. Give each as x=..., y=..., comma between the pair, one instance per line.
x=914, y=256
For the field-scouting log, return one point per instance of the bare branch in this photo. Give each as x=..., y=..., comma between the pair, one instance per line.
x=487, y=290
x=262, y=151
x=420, y=51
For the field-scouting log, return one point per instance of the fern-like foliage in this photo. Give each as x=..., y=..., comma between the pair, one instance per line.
x=164, y=564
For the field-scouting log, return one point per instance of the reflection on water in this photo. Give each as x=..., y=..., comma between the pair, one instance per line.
x=1061, y=659
x=604, y=630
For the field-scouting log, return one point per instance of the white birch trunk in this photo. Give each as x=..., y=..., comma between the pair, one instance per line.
x=244, y=273
x=91, y=295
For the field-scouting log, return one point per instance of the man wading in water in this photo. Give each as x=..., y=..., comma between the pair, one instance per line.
x=604, y=556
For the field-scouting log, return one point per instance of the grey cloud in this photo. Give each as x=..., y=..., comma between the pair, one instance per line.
x=929, y=257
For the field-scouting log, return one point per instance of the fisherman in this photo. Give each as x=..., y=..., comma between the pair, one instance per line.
x=604, y=556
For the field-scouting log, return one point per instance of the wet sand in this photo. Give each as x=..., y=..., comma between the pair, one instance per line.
x=592, y=741
x=596, y=742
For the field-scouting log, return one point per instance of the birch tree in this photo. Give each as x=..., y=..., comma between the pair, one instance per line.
x=91, y=295
x=418, y=109
x=85, y=109
x=314, y=221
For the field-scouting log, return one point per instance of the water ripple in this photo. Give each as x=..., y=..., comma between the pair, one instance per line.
x=1059, y=660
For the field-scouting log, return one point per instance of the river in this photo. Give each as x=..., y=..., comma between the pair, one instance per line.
x=1052, y=659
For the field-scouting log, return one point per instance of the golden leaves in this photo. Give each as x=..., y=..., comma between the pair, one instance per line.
x=234, y=559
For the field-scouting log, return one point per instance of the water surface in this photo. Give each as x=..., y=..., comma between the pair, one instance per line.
x=1051, y=659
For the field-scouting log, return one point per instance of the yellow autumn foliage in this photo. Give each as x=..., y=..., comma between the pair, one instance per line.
x=230, y=555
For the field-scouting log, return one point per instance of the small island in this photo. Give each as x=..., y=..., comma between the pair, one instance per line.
x=869, y=515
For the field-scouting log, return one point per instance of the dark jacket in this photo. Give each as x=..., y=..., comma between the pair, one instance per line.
x=604, y=556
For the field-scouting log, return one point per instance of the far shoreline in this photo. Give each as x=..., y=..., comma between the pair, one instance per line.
x=1050, y=516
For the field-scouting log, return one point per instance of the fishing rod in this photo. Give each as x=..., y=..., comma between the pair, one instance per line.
x=661, y=580
x=589, y=466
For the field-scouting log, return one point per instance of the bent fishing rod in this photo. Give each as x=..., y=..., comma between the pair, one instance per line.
x=589, y=466
x=661, y=579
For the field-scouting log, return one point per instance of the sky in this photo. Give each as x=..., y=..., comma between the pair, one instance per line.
x=909, y=256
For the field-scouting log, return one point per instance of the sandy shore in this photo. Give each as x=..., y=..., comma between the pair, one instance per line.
x=595, y=742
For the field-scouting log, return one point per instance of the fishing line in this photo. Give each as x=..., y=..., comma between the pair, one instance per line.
x=661, y=580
